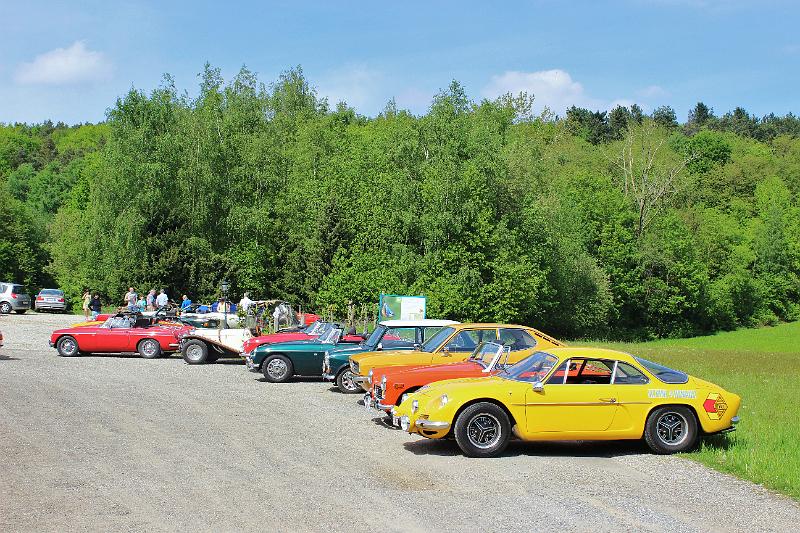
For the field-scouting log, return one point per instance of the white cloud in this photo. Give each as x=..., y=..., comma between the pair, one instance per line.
x=552, y=88
x=62, y=66
x=355, y=84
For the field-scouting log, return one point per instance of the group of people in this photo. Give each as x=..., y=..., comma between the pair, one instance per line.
x=91, y=304
x=152, y=301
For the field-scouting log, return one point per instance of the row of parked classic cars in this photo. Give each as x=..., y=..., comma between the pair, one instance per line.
x=480, y=384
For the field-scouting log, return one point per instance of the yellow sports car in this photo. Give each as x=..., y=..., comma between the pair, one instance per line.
x=452, y=344
x=571, y=394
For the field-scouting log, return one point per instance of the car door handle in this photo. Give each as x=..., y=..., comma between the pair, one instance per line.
x=608, y=400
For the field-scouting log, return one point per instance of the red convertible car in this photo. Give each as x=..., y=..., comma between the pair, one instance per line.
x=122, y=333
x=309, y=333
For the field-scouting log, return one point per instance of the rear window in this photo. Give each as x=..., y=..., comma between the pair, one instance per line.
x=51, y=292
x=18, y=289
x=663, y=373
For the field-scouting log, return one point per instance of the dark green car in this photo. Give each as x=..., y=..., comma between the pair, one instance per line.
x=389, y=335
x=282, y=360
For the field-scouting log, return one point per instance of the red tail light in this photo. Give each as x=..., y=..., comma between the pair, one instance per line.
x=14, y=296
x=61, y=299
x=39, y=298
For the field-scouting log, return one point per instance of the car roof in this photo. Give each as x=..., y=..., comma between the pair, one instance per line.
x=564, y=352
x=425, y=322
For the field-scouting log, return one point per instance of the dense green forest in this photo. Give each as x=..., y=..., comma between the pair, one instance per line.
x=619, y=224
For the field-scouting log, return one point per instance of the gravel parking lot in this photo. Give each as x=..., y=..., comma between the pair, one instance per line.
x=110, y=443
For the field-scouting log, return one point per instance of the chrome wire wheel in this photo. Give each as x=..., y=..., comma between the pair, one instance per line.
x=277, y=368
x=68, y=346
x=671, y=428
x=149, y=349
x=348, y=382
x=484, y=430
x=194, y=352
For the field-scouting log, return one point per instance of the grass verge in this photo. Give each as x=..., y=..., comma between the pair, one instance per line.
x=763, y=367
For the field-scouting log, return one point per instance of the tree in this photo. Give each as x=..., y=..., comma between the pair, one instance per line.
x=665, y=117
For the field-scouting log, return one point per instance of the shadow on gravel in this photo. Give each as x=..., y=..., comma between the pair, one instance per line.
x=8, y=358
x=517, y=448
x=295, y=379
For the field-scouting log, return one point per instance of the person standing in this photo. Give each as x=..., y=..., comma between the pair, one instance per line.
x=162, y=299
x=130, y=300
x=151, y=300
x=185, y=303
x=95, y=305
x=87, y=298
x=245, y=302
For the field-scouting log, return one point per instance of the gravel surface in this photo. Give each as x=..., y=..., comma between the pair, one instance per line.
x=113, y=443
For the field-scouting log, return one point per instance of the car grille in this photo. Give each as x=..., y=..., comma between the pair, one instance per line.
x=378, y=392
x=354, y=367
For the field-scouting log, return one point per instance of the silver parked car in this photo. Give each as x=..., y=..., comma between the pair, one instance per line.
x=50, y=300
x=13, y=297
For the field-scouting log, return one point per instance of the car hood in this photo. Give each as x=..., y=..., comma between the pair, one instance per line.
x=398, y=373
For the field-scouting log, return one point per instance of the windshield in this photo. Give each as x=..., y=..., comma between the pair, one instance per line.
x=375, y=336
x=485, y=352
x=435, y=341
x=331, y=336
x=118, y=322
x=667, y=375
x=312, y=328
x=533, y=368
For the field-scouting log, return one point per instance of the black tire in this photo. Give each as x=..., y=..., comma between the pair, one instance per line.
x=671, y=429
x=20, y=311
x=5, y=308
x=345, y=383
x=195, y=352
x=149, y=349
x=277, y=368
x=482, y=430
x=213, y=356
x=67, y=346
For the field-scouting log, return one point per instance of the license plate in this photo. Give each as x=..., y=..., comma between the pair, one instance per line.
x=51, y=300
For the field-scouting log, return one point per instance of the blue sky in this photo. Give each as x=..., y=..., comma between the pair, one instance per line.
x=69, y=61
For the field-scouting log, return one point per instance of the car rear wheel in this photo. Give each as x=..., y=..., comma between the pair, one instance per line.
x=149, y=349
x=195, y=352
x=482, y=430
x=277, y=368
x=67, y=346
x=671, y=429
x=5, y=308
x=345, y=382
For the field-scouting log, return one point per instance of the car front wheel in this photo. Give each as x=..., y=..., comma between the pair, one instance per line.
x=67, y=346
x=195, y=352
x=277, y=368
x=345, y=382
x=671, y=429
x=149, y=349
x=482, y=430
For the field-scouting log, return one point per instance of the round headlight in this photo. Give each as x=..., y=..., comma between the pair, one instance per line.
x=443, y=400
x=414, y=406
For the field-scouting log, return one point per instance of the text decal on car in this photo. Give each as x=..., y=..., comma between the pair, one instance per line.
x=677, y=393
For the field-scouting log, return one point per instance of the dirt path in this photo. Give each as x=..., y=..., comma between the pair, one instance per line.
x=120, y=443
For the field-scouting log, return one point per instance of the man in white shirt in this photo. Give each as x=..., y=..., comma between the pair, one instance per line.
x=162, y=299
x=130, y=300
x=245, y=302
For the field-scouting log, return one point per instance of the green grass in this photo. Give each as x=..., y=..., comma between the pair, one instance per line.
x=763, y=367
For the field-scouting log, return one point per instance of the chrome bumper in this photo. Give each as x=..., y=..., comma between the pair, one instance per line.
x=431, y=425
x=328, y=377
x=361, y=380
x=251, y=366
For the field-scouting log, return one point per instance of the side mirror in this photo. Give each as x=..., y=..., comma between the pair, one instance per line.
x=538, y=386
x=417, y=346
x=446, y=351
x=380, y=346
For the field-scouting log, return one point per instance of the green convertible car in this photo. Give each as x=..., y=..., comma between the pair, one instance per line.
x=326, y=357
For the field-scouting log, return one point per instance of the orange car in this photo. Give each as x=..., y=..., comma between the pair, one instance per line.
x=392, y=383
